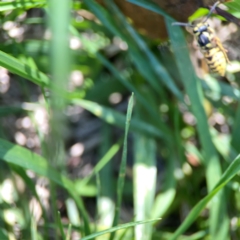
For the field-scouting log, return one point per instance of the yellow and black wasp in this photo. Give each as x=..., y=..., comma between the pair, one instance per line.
x=210, y=45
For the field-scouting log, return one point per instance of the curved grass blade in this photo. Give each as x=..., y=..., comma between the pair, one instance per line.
x=6, y=6
x=103, y=161
x=121, y=177
x=211, y=160
x=23, y=70
x=150, y=6
x=22, y=157
x=60, y=226
x=114, y=229
x=231, y=171
x=117, y=119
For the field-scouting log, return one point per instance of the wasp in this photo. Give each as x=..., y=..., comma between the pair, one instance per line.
x=210, y=45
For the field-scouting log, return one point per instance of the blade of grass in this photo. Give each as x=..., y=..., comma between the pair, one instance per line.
x=58, y=22
x=103, y=161
x=34, y=234
x=230, y=172
x=116, y=118
x=191, y=84
x=60, y=226
x=23, y=70
x=114, y=229
x=69, y=232
x=121, y=177
x=72, y=212
x=26, y=4
x=144, y=187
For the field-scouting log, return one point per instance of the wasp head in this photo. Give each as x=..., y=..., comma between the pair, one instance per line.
x=200, y=28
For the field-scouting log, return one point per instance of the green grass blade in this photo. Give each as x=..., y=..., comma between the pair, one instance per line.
x=192, y=86
x=60, y=226
x=68, y=237
x=114, y=229
x=150, y=6
x=230, y=172
x=33, y=229
x=103, y=161
x=117, y=119
x=23, y=70
x=26, y=4
x=72, y=212
x=144, y=187
x=59, y=21
x=121, y=177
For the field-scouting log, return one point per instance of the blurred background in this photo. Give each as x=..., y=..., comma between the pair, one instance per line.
x=70, y=168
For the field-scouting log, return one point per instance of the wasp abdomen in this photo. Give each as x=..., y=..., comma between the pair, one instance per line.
x=216, y=60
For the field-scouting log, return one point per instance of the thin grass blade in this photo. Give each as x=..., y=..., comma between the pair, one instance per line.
x=121, y=177
x=230, y=172
x=192, y=86
x=103, y=161
x=60, y=226
x=145, y=178
x=23, y=70
x=150, y=6
x=114, y=229
x=26, y=4
x=117, y=119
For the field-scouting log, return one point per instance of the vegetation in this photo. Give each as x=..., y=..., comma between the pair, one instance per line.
x=113, y=137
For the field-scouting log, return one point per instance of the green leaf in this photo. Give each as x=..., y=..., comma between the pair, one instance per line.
x=113, y=229
x=122, y=171
x=231, y=171
x=194, y=91
x=23, y=70
x=116, y=118
x=26, y=4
